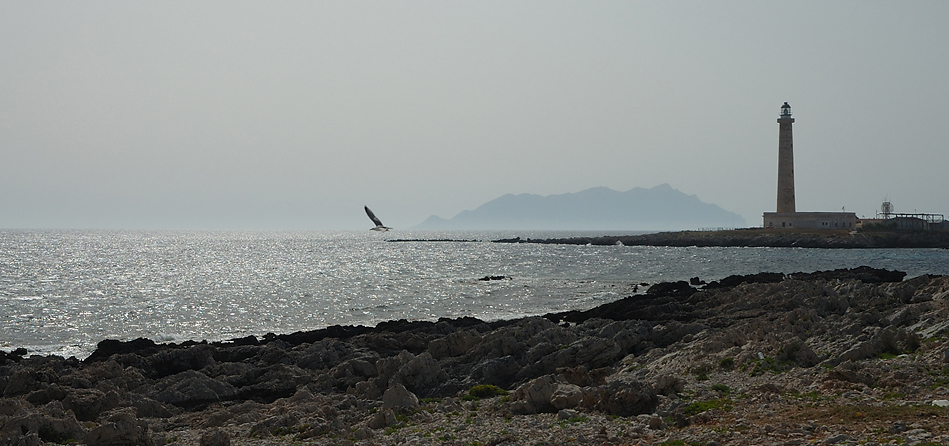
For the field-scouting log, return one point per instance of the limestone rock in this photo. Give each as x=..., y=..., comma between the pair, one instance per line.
x=146, y=407
x=595, y=352
x=397, y=396
x=171, y=362
x=537, y=393
x=9, y=406
x=87, y=404
x=850, y=372
x=325, y=354
x=354, y=368
x=275, y=424
x=21, y=382
x=362, y=433
x=567, y=396
x=654, y=422
x=669, y=384
x=498, y=371
x=191, y=388
x=120, y=429
x=455, y=344
x=49, y=423
x=623, y=397
x=420, y=373
x=583, y=376
x=383, y=418
x=215, y=437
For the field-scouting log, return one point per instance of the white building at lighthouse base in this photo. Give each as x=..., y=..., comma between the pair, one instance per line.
x=810, y=220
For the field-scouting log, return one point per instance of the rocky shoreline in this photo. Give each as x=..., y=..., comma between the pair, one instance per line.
x=857, y=356
x=759, y=237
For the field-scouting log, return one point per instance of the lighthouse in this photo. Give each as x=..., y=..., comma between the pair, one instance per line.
x=786, y=215
x=785, y=162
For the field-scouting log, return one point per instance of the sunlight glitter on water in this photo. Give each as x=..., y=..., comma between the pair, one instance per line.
x=63, y=291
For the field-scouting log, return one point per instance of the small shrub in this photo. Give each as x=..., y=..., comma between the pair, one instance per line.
x=893, y=395
x=571, y=420
x=702, y=406
x=673, y=443
x=481, y=391
x=812, y=396
x=721, y=388
x=701, y=373
x=726, y=363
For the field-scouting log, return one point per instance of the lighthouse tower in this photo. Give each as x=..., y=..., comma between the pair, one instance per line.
x=786, y=215
x=785, y=162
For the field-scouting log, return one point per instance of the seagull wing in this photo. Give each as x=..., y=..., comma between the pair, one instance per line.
x=373, y=217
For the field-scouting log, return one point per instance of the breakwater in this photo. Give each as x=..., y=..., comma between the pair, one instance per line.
x=758, y=237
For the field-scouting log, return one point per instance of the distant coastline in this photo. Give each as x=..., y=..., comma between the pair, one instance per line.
x=760, y=237
x=661, y=207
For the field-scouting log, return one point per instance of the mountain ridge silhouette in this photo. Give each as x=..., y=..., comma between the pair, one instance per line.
x=599, y=208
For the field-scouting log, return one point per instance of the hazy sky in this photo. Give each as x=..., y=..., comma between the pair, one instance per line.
x=293, y=115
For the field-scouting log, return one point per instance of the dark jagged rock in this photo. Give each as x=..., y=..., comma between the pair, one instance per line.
x=307, y=337
x=191, y=389
x=733, y=281
x=49, y=422
x=87, y=404
x=511, y=240
x=247, y=340
x=864, y=274
x=174, y=361
x=120, y=428
x=667, y=301
x=109, y=347
x=671, y=289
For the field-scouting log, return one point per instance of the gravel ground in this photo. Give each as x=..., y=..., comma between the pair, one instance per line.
x=726, y=407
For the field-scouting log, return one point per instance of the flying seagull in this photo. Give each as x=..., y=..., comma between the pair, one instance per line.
x=379, y=226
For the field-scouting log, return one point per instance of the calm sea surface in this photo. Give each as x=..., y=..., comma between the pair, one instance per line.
x=63, y=291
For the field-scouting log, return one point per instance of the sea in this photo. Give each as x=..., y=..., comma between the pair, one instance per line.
x=61, y=292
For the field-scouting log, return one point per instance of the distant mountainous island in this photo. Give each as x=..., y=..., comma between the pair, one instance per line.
x=599, y=208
